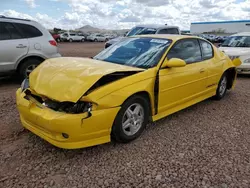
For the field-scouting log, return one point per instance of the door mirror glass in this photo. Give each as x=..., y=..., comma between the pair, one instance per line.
x=173, y=62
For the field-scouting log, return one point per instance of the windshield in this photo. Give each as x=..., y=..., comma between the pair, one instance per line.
x=141, y=31
x=135, y=52
x=237, y=41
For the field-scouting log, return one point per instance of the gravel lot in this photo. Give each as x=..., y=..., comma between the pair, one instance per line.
x=206, y=145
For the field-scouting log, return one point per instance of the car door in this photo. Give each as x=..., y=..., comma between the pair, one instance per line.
x=13, y=46
x=179, y=85
x=214, y=65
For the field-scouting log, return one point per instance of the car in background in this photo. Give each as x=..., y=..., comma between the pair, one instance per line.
x=97, y=38
x=56, y=37
x=137, y=80
x=145, y=30
x=72, y=37
x=24, y=45
x=238, y=46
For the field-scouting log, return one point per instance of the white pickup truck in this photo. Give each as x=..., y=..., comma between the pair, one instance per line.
x=147, y=29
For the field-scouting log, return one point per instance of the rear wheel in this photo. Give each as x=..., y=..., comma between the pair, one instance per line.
x=82, y=40
x=28, y=66
x=95, y=40
x=131, y=119
x=222, y=87
x=70, y=40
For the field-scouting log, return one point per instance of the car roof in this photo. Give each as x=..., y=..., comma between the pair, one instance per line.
x=166, y=36
x=156, y=26
x=242, y=34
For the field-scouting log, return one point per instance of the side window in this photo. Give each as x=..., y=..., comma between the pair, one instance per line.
x=207, y=50
x=168, y=31
x=4, y=33
x=8, y=31
x=187, y=50
x=29, y=31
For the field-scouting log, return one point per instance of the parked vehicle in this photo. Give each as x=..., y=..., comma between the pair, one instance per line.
x=24, y=44
x=56, y=37
x=72, y=37
x=238, y=45
x=145, y=30
x=97, y=38
x=81, y=102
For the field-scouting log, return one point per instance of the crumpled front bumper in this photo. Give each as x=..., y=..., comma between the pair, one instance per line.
x=51, y=125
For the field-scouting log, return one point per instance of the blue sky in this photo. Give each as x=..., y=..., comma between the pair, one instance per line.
x=115, y=14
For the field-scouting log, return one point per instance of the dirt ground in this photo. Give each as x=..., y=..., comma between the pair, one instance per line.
x=206, y=145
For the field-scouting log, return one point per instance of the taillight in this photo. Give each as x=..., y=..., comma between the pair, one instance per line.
x=53, y=42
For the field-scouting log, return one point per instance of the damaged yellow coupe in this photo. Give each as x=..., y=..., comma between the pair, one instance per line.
x=82, y=102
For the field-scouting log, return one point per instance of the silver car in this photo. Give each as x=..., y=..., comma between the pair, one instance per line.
x=24, y=44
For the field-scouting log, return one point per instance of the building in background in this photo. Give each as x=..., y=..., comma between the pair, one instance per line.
x=221, y=27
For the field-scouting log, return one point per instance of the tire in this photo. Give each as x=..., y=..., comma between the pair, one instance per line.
x=28, y=66
x=82, y=40
x=58, y=40
x=126, y=132
x=222, y=87
x=95, y=40
x=70, y=40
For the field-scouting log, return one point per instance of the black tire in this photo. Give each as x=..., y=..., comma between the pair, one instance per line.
x=58, y=40
x=70, y=40
x=220, y=93
x=95, y=40
x=82, y=40
x=117, y=132
x=32, y=62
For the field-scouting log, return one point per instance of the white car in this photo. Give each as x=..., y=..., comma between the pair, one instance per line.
x=238, y=45
x=24, y=44
x=71, y=37
x=97, y=38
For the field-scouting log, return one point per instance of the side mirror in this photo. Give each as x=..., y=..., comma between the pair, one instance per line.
x=173, y=62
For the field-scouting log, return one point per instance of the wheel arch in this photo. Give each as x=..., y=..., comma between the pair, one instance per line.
x=231, y=75
x=145, y=95
x=27, y=58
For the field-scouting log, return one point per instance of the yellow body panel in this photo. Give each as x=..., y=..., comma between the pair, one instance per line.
x=68, y=79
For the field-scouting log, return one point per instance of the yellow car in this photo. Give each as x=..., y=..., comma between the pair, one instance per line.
x=82, y=102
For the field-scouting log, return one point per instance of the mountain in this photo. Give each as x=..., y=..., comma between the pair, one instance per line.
x=90, y=29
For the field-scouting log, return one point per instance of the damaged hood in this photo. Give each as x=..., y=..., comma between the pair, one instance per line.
x=68, y=79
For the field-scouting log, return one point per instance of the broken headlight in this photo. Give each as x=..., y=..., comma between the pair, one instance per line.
x=68, y=107
x=25, y=84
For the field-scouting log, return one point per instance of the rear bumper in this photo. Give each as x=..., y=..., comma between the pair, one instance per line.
x=50, y=125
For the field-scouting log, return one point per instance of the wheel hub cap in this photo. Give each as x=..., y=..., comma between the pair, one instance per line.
x=133, y=119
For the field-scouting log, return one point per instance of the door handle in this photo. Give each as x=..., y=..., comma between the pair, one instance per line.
x=21, y=46
x=202, y=70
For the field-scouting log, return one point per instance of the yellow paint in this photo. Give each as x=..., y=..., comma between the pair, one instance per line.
x=68, y=79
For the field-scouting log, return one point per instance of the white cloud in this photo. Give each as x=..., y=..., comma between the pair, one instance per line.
x=116, y=14
x=31, y=3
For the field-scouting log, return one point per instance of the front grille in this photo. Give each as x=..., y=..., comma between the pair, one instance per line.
x=67, y=107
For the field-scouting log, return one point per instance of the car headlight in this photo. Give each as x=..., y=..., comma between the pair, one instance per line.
x=25, y=84
x=247, y=60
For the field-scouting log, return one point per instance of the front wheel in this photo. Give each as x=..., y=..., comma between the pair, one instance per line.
x=222, y=87
x=70, y=40
x=131, y=119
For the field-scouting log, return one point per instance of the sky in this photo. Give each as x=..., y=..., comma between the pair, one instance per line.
x=124, y=14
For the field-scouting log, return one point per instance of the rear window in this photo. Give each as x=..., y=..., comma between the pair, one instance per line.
x=29, y=31
x=169, y=31
x=8, y=31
